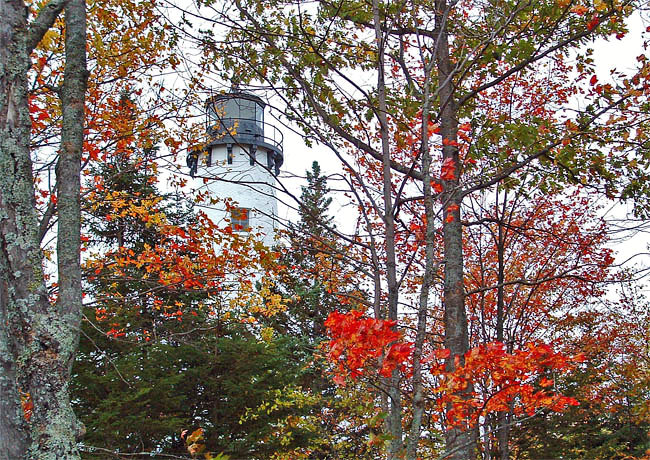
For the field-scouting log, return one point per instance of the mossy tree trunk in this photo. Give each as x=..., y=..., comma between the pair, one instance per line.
x=38, y=338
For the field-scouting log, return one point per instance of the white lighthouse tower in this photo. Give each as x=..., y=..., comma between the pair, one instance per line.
x=240, y=162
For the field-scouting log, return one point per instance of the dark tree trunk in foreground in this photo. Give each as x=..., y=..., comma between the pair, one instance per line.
x=460, y=443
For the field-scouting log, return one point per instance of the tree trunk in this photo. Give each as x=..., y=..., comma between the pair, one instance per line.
x=38, y=343
x=21, y=274
x=503, y=427
x=460, y=443
x=394, y=419
x=418, y=405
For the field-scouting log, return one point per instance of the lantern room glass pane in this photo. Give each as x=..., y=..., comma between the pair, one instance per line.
x=246, y=109
x=231, y=109
x=259, y=114
x=238, y=108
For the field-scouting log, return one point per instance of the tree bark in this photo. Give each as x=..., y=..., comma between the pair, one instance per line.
x=430, y=267
x=21, y=274
x=460, y=442
x=503, y=427
x=38, y=339
x=394, y=419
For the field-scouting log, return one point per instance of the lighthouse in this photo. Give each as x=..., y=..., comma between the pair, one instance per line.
x=239, y=163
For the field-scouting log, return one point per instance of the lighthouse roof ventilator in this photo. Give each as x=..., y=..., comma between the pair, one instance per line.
x=241, y=159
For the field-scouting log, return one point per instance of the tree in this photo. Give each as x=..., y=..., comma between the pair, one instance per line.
x=39, y=337
x=476, y=89
x=315, y=269
x=48, y=124
x=612, y=384
x=139, y=396
x=531, y=258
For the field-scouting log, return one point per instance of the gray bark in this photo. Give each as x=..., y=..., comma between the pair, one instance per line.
x=418, y=404
x=22, y=287
x=38, y=340
x=394, y=419
x=503, y=427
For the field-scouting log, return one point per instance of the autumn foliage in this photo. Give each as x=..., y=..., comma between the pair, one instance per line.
x=358, y=342
x=477, y=185
x=521, y=381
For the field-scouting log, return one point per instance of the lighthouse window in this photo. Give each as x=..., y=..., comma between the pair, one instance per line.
x=259, y=114
x=229, y=153
x=224, y=110
x=239, y=219
x=231, y=108
x=252, y=153
x=246, y=109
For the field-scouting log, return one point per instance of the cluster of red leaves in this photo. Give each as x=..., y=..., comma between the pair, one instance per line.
x=448, y=169
x=520, y=381
x=39, y=114
x=116, y=331
x=358, y=342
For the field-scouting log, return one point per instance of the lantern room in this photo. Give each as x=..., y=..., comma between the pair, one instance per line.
x=236, y=119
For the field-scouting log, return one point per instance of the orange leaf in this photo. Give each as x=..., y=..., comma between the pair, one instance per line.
x=448, y=170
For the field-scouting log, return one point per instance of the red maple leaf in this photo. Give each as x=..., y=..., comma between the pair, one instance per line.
x=448, y=170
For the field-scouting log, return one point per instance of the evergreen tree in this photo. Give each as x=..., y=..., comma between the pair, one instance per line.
x=314, y=264
x=314, y=205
